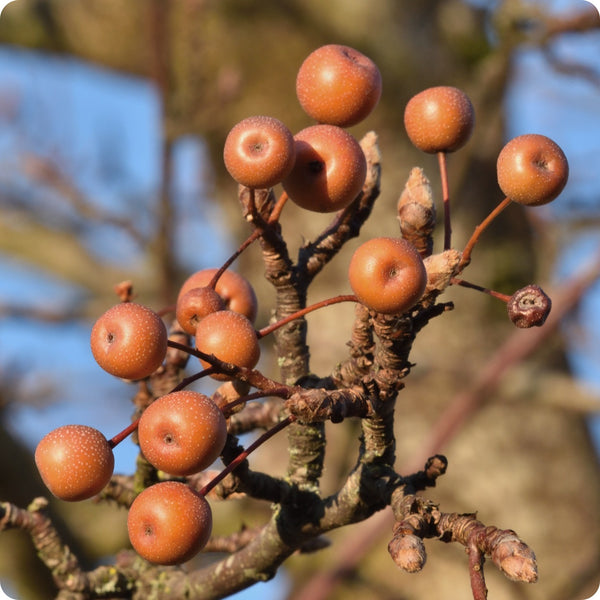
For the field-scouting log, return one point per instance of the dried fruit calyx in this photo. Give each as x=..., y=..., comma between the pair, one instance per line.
x=529, y=307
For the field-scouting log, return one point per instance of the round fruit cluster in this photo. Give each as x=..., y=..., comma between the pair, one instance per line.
x=322, y=168
x=532, y=169
x=220, y=317
x=180, y=433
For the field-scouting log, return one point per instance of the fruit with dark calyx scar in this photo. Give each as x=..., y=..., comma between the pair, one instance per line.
x=169, y=523
x=194, y=305
x=259, y=152
x=182, y=433
x=387, y=275
x=532, y=169
x=330, y=169
x=129, y=341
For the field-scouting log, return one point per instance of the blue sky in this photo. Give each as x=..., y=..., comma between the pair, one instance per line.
x=58, y=100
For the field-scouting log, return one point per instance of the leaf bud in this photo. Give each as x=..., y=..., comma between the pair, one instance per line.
x=408, y=552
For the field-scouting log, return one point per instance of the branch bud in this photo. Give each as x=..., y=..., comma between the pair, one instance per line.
x=441, y=268
x=124, y=291
x=416, y=212
x=515, y=559
x=408, y=551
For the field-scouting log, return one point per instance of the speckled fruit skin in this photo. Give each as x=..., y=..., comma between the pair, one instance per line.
x=194, y=305
x=129, y=341
x=75, y=462
x=532, y=169
x=338, y=85
x=259, y=152
x=439, y=119
x=169, y=523
x=330, y=169
x=387, y=275
x=231, y=337
x=235, y=290
x=182, y=433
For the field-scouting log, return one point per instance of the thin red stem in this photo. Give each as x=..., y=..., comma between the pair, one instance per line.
x=277, y=208
x=188, y=380
x=254, y=378
x=249, y=240
x=446, y=199
x=191, y=351
x=117, y=439
x=304, y=311
x=474, y=286
x=123, y=434
x=166, y=310
x=244, y=455
x=275, y=214
x=466, y=254
x=283, y=392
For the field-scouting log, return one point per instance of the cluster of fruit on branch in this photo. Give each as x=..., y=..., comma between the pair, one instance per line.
x=322, y=168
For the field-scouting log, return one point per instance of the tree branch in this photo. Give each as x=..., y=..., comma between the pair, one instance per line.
x=346, y=224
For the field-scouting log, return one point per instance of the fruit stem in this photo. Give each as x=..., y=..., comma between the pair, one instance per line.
x=251, y=238
x=191, y=378
x=466, y=254
x=194, y=352
x=123, y=434
x=283, y=392
x=304, y=311
x=275, y=213
x=474, y=286
x=166, y=310
x=446, y=199
x=277, y=208
x=244, y=455
x=254, y=378
x=252, y=203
